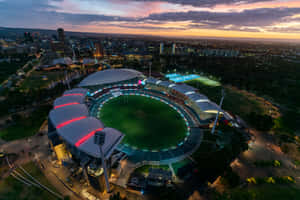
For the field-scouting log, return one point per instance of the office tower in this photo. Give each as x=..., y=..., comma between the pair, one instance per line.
x=161, y=48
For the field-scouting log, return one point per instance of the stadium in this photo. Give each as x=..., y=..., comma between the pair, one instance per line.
x=146, y=120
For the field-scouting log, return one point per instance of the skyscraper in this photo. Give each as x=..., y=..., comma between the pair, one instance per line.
x=98, y=50
x=161, y=48
x=59, y=45
x=61, y=35
x=173, y=49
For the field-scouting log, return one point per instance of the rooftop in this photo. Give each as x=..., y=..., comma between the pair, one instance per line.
x=109, y=76
x=63, y=115
x=68, y=100
x=81, y=134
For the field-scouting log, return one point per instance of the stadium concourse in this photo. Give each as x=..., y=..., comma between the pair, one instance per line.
x=74, y=119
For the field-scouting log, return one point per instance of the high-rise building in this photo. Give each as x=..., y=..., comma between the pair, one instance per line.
x=98, y=50
x=161, y=48
x=58, y=47
x=61, y=35
x=28, y=37
x=173, y=49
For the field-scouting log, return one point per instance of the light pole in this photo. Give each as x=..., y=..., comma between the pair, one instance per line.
x=217, y=116
x=99, y=139
x=66, y=75
x=150, y=65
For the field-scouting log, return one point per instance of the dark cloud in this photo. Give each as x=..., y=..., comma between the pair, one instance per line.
x=205, y=3
x=40, y=13
x=37, y=14
x=27, y=13
x=255, y=17
x=225, y=28
x=149, y=27
x=248, y=18
x=78, y=19
x=25, y=5
x=284, y=29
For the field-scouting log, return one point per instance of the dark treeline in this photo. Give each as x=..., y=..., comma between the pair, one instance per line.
x=17, y=101
x=273, y=78
x=9, y=68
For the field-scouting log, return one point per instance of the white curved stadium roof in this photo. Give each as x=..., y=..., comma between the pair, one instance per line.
x=67, y=113
x=81, y=135
x=75, y=91
x=68, y=100
x=112, y=138
x=203, y=103
x=77, y=130
x=109, y=76
x=183, y=88
x=209, y=107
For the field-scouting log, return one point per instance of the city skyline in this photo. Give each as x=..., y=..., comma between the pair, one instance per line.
x=268, y=19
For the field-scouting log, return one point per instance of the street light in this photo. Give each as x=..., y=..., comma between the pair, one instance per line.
x=99, y=139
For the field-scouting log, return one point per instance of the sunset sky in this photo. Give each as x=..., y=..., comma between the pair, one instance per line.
x=180, y=18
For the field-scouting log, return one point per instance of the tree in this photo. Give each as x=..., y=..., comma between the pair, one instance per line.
x=261, y=122
x=116, y=197
x=67, y=198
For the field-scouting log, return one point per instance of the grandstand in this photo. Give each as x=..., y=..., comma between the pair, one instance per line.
x=204, y=107
x=111, y=76
x=74, y=119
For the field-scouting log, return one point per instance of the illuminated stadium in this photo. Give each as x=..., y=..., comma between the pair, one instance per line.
x=147, y=120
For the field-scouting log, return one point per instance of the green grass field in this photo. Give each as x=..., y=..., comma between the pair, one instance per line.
x=146, y=123
x=35, y=80
x=145, y=168
x=206, y=81
x=25, y=126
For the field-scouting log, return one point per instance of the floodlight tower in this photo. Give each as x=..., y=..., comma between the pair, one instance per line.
x=67, y=80
x=217, y=116
x=99, y=139
x=74, y=54
x=150, y=65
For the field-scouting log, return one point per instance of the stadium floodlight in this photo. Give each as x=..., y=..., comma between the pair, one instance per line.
x=67, y=80
x=150, y=65
x=99, y=139
x=217, y=116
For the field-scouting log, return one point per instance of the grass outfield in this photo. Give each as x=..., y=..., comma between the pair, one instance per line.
x=146, y=123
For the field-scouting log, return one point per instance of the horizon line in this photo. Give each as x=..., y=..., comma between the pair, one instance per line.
x=170, y=37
